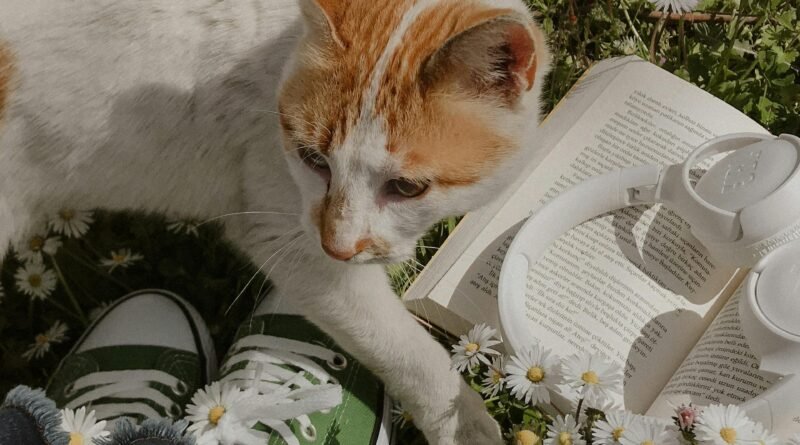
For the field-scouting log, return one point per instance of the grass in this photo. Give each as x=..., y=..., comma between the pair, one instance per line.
x=750, y=60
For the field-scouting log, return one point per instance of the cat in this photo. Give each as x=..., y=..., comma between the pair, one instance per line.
x=337, y=131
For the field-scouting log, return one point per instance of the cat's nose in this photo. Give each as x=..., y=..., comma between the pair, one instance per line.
x=345, y=255
x=338, y=254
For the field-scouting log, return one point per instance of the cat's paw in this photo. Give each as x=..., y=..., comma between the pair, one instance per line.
x=467, y=423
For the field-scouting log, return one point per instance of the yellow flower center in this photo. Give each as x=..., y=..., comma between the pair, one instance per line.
x=42, y=339
x=590, y=377
x=35, y=280
x=617, y=433
x=407, y=416
x=526, y=437
x=565, y=438
x=36, y=243
x=496, y=377
x=66, y=214
x=728, y=435
x=535, y=374
x=472, y=347
x=118, y=258
x=215, y=414
x=647, y=442
x=75, y=439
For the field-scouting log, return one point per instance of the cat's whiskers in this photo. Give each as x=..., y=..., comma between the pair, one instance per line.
x=260, y=268
x=255, y=212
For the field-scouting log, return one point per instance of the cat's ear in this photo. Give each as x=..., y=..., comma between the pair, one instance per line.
x=499, y=55
x=324, y=18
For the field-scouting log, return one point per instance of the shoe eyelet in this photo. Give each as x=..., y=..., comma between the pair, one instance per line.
x=338, y=362
x=309, y=433
x=175, y=411
x=180, y=389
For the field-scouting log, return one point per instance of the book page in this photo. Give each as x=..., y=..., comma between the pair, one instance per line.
x=719, y=369
x=632, y=285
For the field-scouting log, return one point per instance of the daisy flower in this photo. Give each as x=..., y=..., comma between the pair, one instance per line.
x=612, y=429
x=644, y=431
x=724, y=425
x=524, y=436
x=764, y=436
x=210, y=406
x=42, y=342
x=564, y=431
x=678, y=6
x=82, y=428
x=36, y=281
x=493, y=377
x=473, y=348
x=400, y=416
x=184, y=227
x=687, y=415
x=531, y=374
x=31, y=248
x=120, y=258
x=70, y=222
x=595, y=378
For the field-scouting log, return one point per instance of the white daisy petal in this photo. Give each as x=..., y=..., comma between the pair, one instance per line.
x=531, y=375
x=473, y=348
x=82, y=428
x=611, y=430
x=564, y=431
x=494, y=377
x=724, y=425
x=35, y=280
x=42, y=343
x=678, y=6
x=594, y=378
x=647, y=431
x=70, y=222
x=122, y=258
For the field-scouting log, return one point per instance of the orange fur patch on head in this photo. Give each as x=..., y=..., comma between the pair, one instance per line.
x=6, y=73
x=445, y=133
x=322, y=100
x=449, y=142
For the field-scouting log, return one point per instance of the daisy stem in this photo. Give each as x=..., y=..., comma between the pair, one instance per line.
x=578, y=410
x=69, y=292
x=557, y=409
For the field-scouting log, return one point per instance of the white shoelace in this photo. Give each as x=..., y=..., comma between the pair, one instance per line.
x=130, y=385
x=284, y=394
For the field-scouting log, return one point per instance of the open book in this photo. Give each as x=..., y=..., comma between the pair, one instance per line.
x=632, y=285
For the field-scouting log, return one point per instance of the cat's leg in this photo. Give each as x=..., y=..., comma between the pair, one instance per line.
x=356, y=306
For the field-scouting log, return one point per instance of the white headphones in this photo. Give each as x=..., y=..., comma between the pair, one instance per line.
x=745, y=209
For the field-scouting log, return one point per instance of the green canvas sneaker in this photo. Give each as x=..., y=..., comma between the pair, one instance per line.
x=311, y=391
x=143, y=358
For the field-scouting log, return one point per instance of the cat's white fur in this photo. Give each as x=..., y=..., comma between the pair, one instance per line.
x=170, y=106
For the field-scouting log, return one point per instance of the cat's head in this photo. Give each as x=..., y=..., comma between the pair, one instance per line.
x=396, y=114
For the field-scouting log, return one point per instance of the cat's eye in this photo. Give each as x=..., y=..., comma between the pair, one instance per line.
x=407, y=188
x=313, y=159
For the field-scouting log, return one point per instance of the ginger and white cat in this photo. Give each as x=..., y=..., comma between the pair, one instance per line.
x=355, y=124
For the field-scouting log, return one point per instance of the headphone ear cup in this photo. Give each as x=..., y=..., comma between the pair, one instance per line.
x=770, y=310
x=778, y=407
